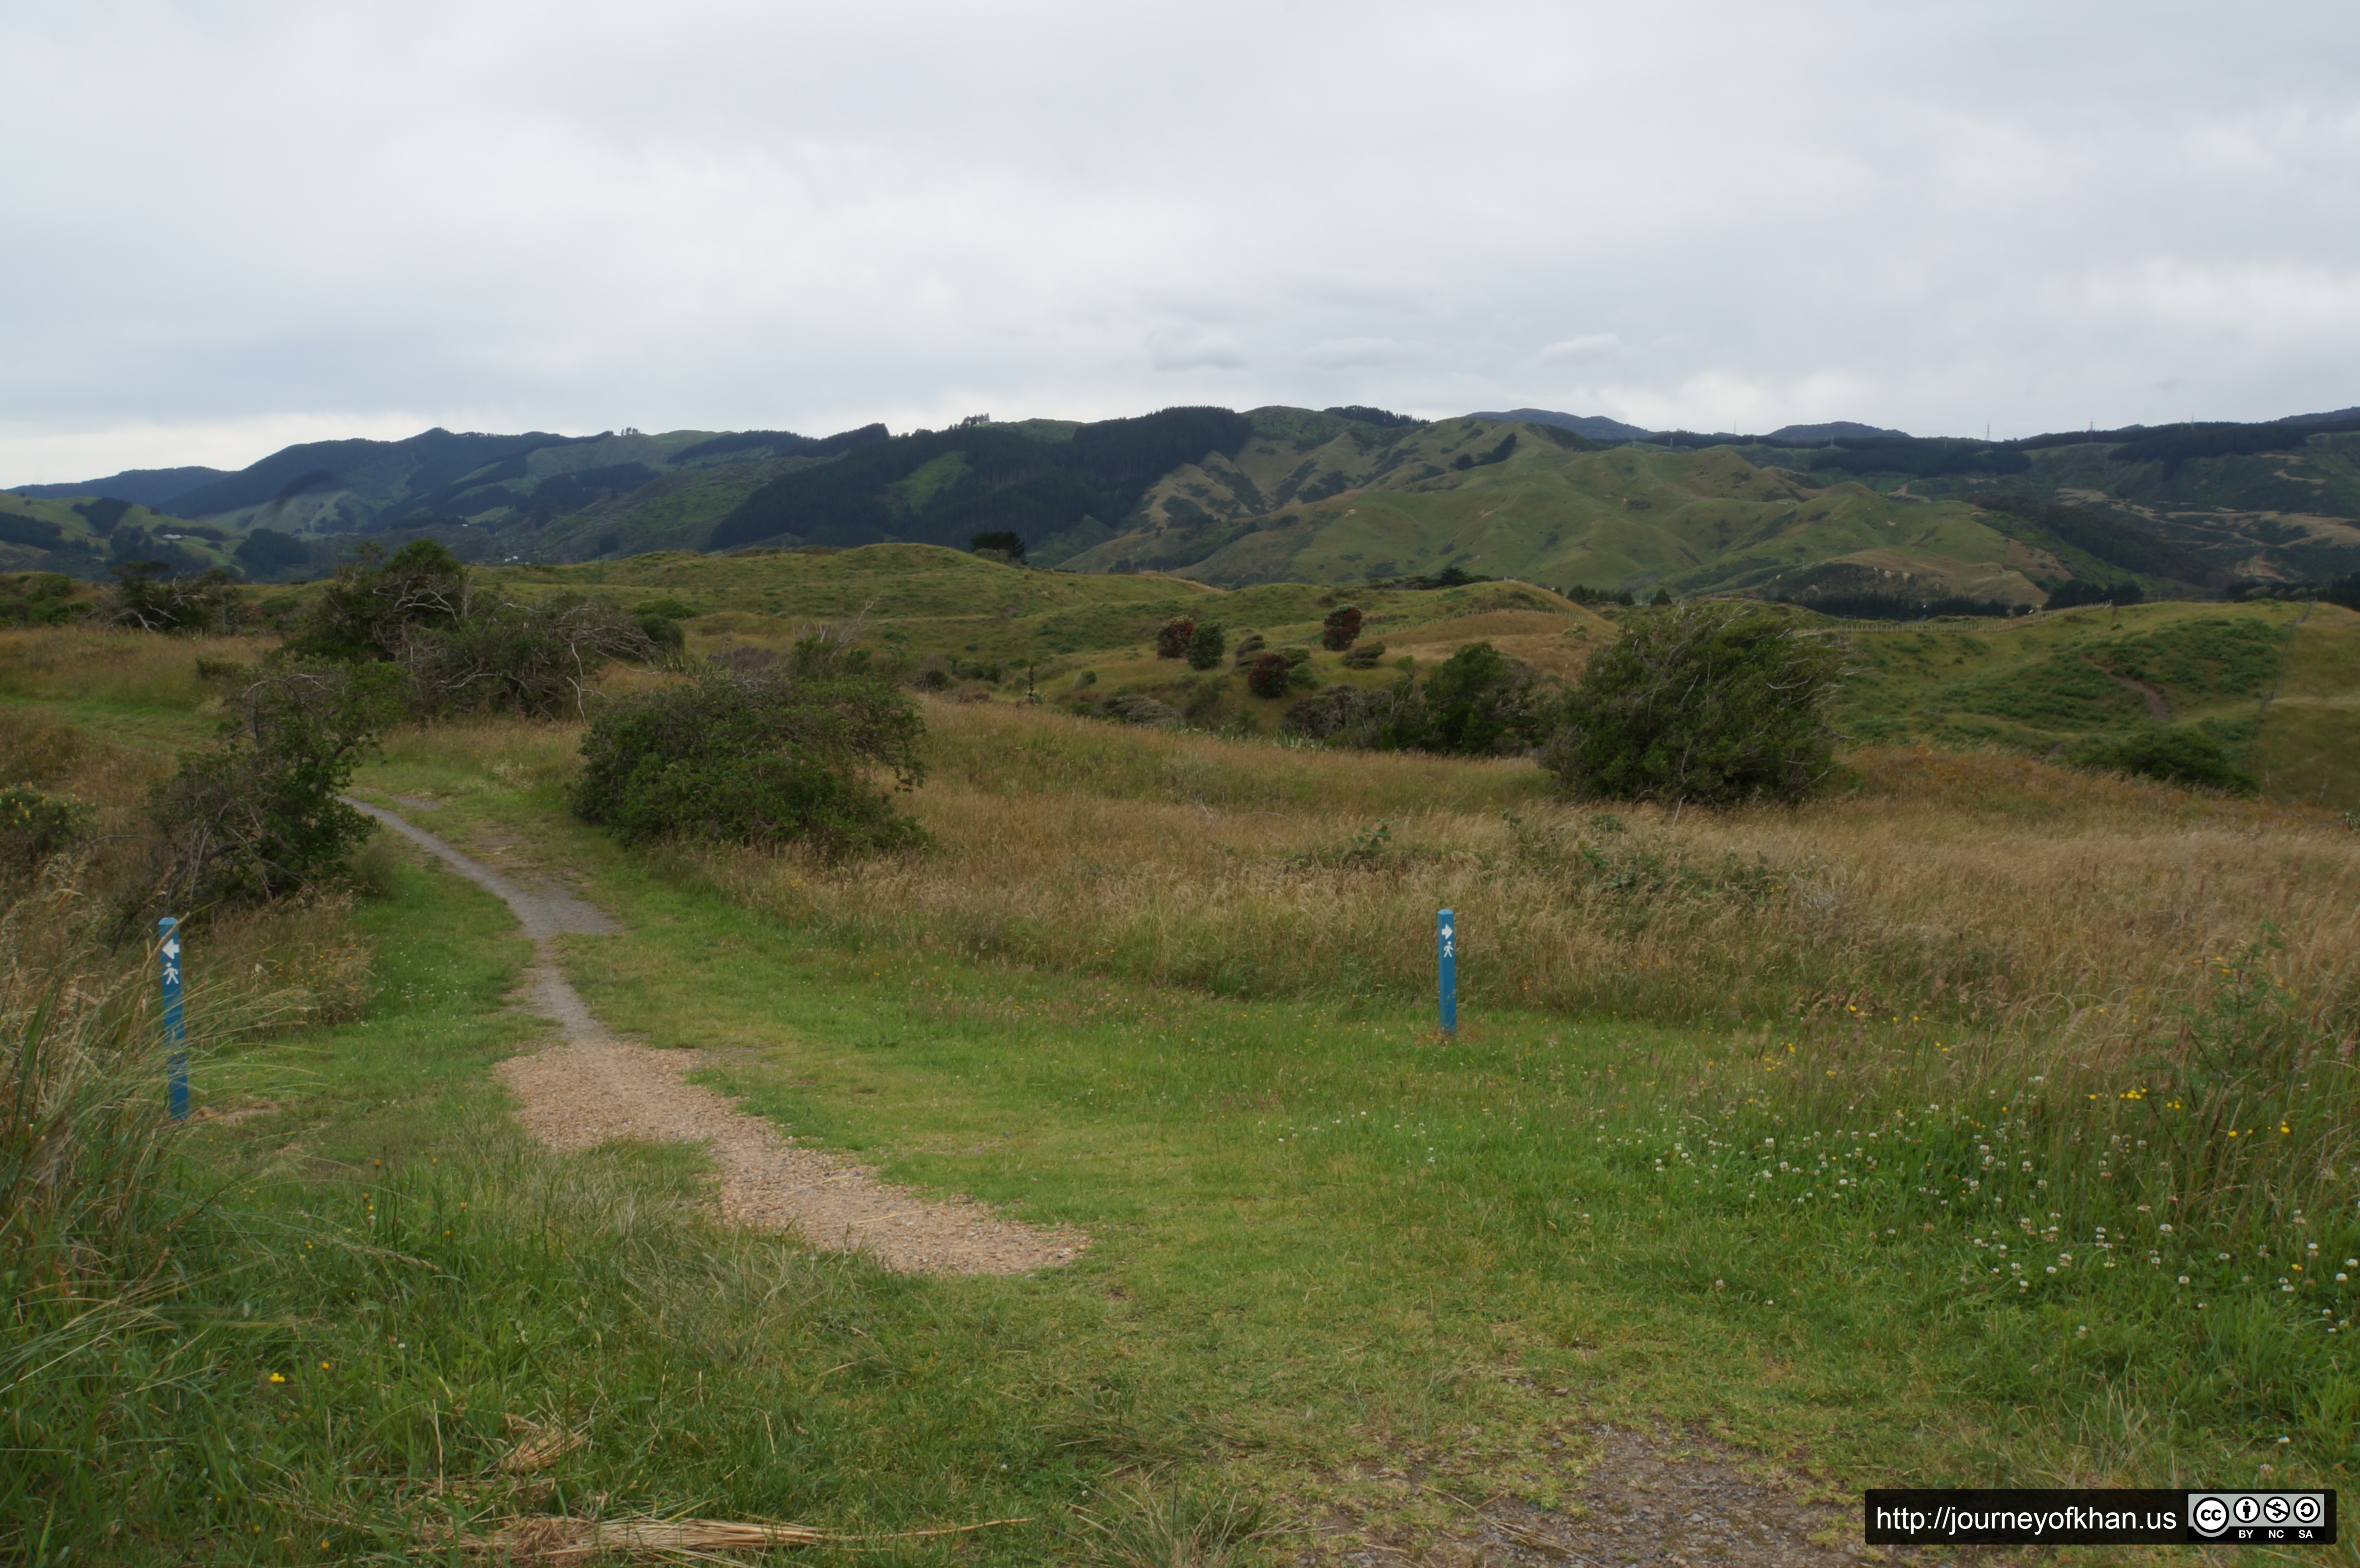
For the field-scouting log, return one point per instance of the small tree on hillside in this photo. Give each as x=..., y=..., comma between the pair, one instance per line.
x=1711, y=704
x=1341, y=630
x=1171, y=638
x=1207, y=645
x=1268, y=676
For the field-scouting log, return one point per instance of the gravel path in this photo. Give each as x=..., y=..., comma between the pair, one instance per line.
x=591, y=1089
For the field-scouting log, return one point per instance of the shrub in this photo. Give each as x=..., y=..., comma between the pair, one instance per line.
x=1268, y=676
x=37, y=599
x=376, y=605
x=34, y=826
x=1343, y=713
x=1341, y=629
x=1138, y=709
x=1173, y=638
x=2187, y=756
x=257, y=817
x=1003, y=544
x=1662, y=597
x=536, y=659
x=1367, y=656
x=1249, y=645
x=1711, y=704
x=465, y=654
x=662, y=632
x=1206, y=644
x=1477, y=702
x=764, y=757
x=145, y=598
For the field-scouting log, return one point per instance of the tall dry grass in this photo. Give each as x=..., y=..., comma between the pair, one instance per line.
x=120, y=669
x=1982, y=893
x=2125, y=1000
x=297, y=962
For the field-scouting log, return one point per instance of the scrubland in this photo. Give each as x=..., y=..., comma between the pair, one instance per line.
x=1982, y=1121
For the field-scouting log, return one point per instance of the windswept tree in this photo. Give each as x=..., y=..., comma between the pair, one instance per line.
x=1707, y=703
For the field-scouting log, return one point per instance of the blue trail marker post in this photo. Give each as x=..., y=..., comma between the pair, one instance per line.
x=176, y=1038
x=1446, y=947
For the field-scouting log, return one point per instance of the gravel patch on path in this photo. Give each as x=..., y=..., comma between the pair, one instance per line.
x=1666, y=1498
x=592, y=1088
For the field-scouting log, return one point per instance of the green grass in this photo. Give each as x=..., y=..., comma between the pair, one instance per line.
x=1333, y=1250
x=2308, y=748
x=2051, y=679
x=1327, y=1237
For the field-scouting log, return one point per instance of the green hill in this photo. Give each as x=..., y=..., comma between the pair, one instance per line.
x=2275, y=683
x=86, y=537
x=1331, y=498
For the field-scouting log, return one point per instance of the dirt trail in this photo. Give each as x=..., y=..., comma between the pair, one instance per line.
x=591, y=1089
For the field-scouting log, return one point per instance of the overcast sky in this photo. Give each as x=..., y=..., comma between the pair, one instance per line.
x=225, y=226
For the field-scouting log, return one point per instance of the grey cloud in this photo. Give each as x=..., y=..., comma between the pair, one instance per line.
x=725, y=213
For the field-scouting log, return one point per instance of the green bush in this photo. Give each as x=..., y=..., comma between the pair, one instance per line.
x=257, y=817
x=37, y=599
x=1206, y=644
x=465, y=653
x=376, y=605
x=34, y=826
x=1477, y=703
x=1709, y=704
x=1367, y=656
x=761, y=757
x=144, y=598
x=536, y=659
x=2187, y=756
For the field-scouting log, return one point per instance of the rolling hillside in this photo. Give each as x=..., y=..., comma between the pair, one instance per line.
x=2277, y=684
x=1280, y=493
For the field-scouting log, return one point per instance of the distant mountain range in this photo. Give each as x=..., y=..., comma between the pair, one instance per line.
x=140, y=486
x=1597, y=427
x=1330, y=496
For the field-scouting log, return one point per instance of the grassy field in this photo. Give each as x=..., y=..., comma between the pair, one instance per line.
x=1884, y=1140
